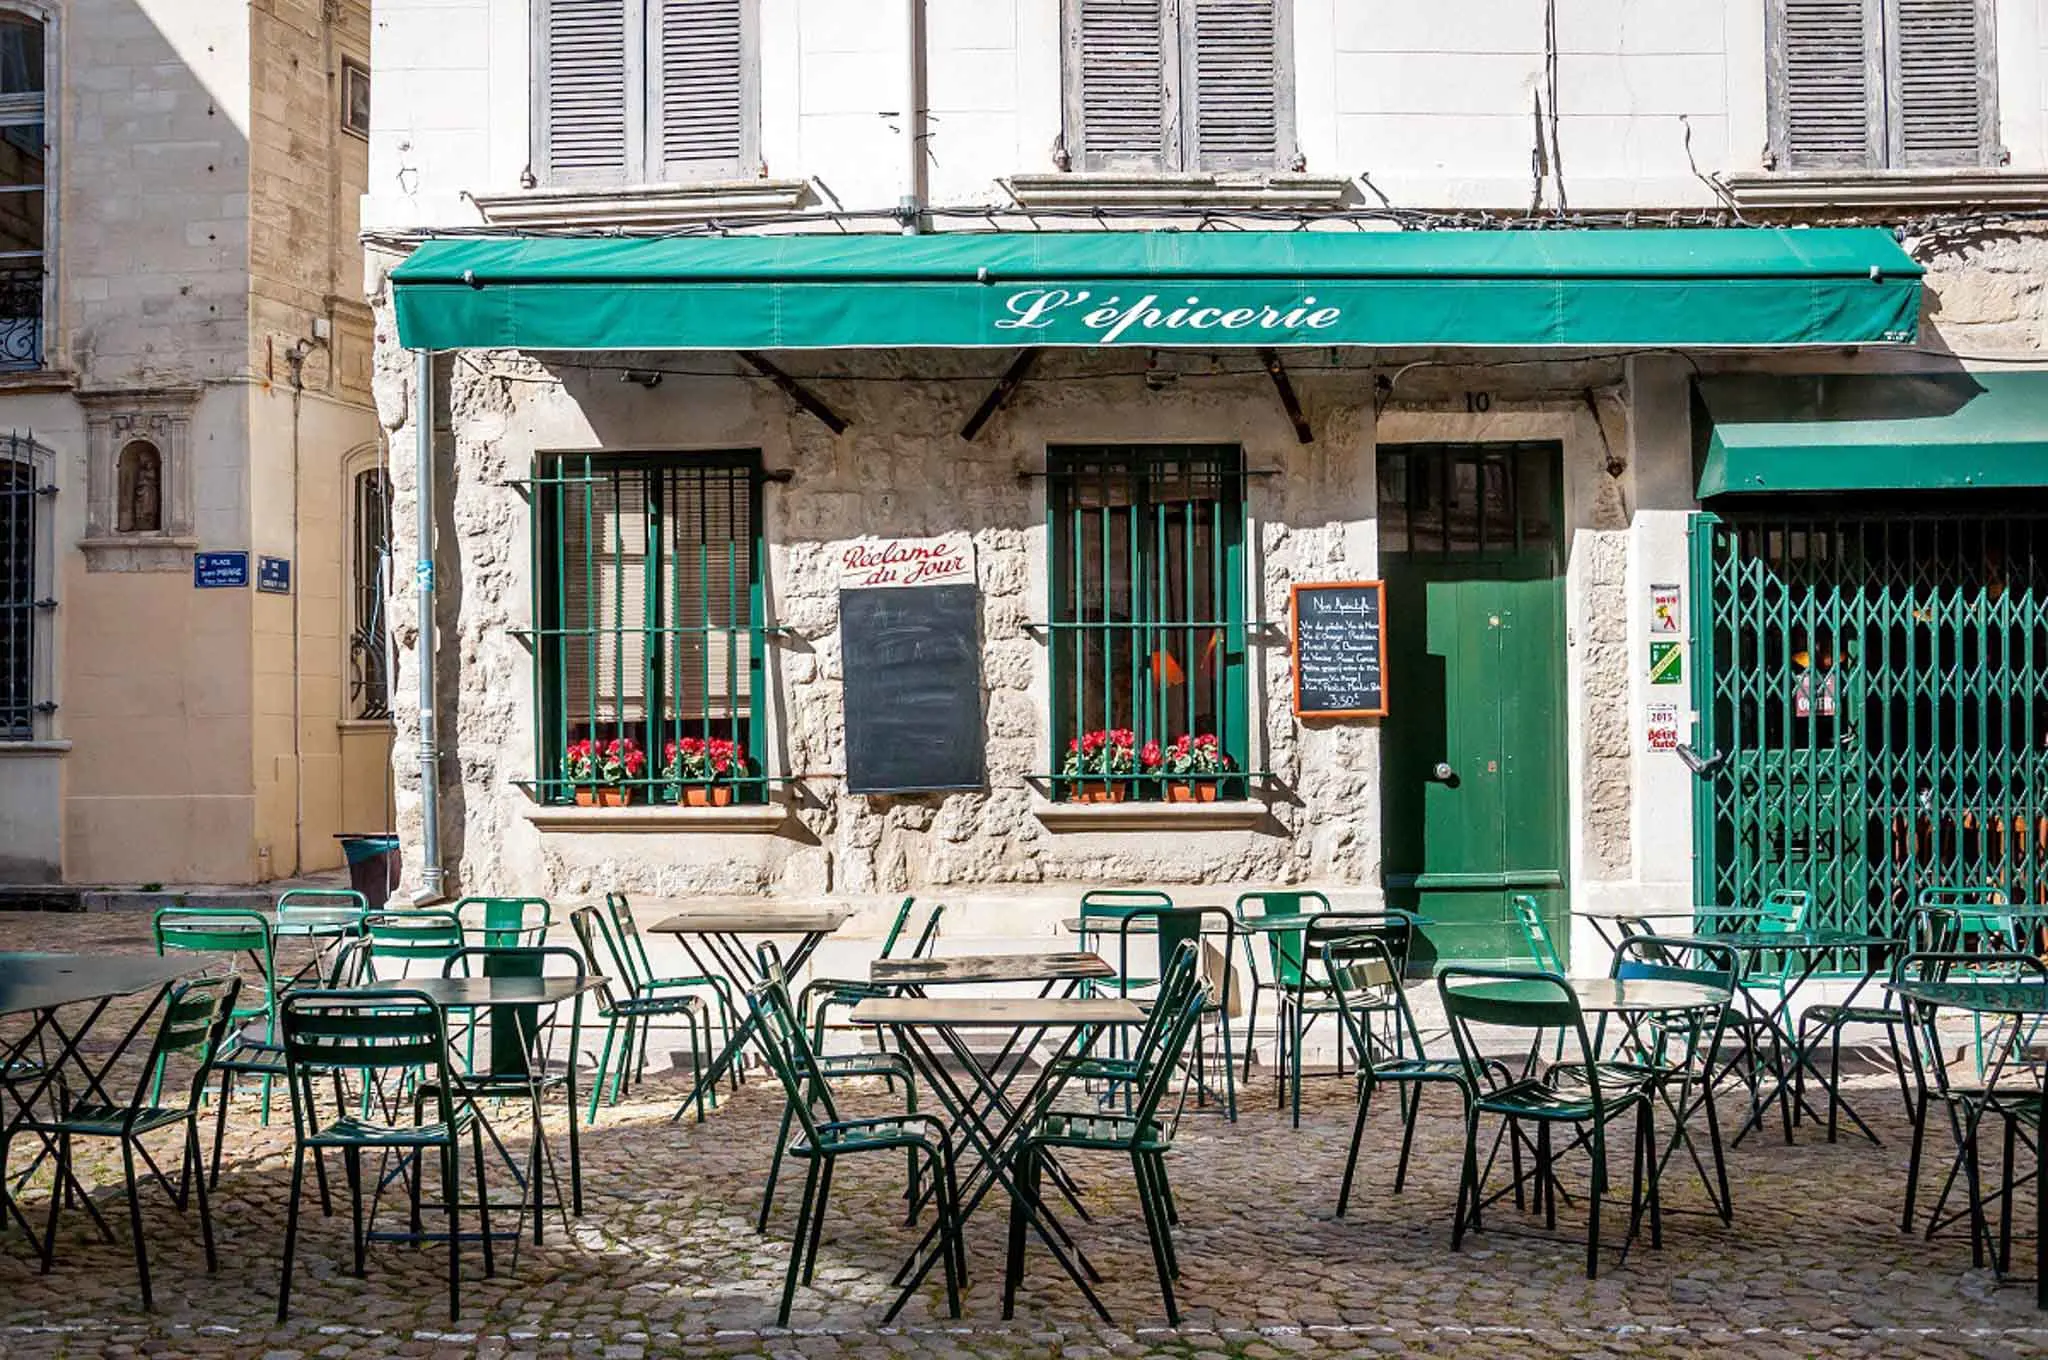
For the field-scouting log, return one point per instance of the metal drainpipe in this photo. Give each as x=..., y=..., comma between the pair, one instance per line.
x=916, y=124
x=432, y=876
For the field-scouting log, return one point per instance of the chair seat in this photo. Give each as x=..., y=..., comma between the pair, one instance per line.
x=109, y=1120
x=865, y=1065
x=1830, y=1016
x=641, y=1007
x=1422, y=1069
x=355, y=1131
x=1104, y=1132
x=866, y=1135
x=1537, y=1099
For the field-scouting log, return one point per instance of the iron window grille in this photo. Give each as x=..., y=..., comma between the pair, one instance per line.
x=1877, y=682
x=1147, y=625
x=18, y=597
x=23, y=203
x=648, y=574
x=369, y=655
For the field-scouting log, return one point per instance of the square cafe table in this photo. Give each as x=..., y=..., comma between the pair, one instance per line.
x=985, y=1118
x=1810, y=947
x=2020, y=999
x=512, y=1060
x=41, y=985
x=721, y=929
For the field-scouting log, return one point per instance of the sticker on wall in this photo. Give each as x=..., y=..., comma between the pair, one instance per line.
x=1667, y=663
x=1663, y=727
x=1665, y=618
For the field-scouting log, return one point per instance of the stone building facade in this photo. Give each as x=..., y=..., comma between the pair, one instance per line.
x=193, y=378
x=1646, y=115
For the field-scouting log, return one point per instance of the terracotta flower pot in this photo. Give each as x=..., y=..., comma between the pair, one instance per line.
x=1180, y=792
x=586, y=796
x=1206, y=790
x=1107, y=792
x=603, y=795
x=721, y=795
x=696, y=795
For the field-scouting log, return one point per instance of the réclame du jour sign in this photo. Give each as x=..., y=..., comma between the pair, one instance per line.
x=869, y=563
x=1339, y=649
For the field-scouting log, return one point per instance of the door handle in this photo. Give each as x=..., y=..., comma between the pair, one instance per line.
x=1442, y=773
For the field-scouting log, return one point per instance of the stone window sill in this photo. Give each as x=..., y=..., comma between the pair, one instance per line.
x=1887, y=188
x=653, y=206
x=1129, y=189
x=139, y=552
x=38, y=380
x=364, y=725
x=753, y=819
x=34, y=748
x=1238, y=815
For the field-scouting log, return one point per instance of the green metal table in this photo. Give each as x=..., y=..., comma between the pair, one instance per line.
x=2018, y=1000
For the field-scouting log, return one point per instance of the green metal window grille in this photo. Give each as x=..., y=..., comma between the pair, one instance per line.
x=1876, y=685
x=18, y=494
x=648, y=599
x=1147, y=625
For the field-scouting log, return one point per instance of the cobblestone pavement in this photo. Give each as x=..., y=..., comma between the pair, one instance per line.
x=665, y=1260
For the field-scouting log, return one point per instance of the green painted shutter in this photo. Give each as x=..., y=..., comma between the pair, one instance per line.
x=585, y=109
x=1830, y=96
x=1939, y=82
x=1118, y=53
x=700, y=88
x=1234, y=63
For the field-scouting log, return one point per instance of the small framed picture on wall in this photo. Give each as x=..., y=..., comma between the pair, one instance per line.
x=355, y=97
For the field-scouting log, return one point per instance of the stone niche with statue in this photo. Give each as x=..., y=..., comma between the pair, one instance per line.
x=139, y=479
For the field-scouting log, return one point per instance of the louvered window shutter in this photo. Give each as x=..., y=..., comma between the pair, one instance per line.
x=1830, y=95
x=604, y=603
x=585, y=80
x=708, y=592
x=1118, y=95
x=700, y=88
x=1939, y=82
x=1233, y=65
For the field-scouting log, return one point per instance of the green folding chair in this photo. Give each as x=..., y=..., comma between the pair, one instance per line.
x=630, y=1014
x=1139, y=1135
x=244, y=938
x=1284, y=947
x=1169, y=929
x=196, y=1018
x=1587, y=1098
x=389, y=1040
x=1102, y=912
x=1310, y=998
x=824, y=1136
x=643, y=981
x=506, y=922
x=822, y=994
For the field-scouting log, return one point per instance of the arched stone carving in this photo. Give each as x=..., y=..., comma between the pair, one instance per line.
x=141, y=506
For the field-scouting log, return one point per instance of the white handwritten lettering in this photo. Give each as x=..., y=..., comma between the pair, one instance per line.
x=1111, y=318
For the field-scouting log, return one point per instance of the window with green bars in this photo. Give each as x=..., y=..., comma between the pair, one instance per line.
x=1148, y=623
x=649, y=634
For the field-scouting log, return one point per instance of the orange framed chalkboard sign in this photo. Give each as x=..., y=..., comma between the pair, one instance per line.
x=1339, y=634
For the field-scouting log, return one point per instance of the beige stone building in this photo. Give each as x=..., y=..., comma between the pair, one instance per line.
x=1616, y=511
x=192, y=495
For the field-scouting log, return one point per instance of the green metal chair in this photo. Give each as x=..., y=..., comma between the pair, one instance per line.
x=1536, y=934
x=642, y=981
x=401, y=944
x=821, y=994
x=1283, y=946
x=196, y=1018
x=890, y=1067
x=1365, y=980
x=506, y=922
x=389, y=1040
x=1311, y=997
x=1103, y=911
x=1139, y=1135
x=294, y=902
x=1177, y=978
x=824, y=1136
x=1929, y=929
x=238, y=934
x=629, y=1013
x=1171, y=928
x=1588, y=1102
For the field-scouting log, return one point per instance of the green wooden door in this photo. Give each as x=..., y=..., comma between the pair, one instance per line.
x=1473, y=750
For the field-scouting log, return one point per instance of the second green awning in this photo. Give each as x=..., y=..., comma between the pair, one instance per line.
x=1953, y=430
x=1522, y=289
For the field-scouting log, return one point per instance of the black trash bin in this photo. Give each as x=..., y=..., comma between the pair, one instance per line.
x=372, y=866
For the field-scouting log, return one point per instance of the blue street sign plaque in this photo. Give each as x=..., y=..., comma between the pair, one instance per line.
x=218, y=570
x=274, y=575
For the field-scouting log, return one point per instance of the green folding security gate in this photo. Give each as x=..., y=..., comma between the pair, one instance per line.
x=1872, y=691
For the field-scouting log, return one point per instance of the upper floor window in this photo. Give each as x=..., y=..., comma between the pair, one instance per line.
x=643, y=91
x=22, y=204
x=1183, y=85
x=369, y=581
x=20, y=591
x=1882, y=84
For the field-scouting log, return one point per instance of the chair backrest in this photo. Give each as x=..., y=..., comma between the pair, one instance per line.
x=1982, y=913
x=238, y=932
x=319, y=901
x=507, y=921
x=366, y=1033
x=602, y=955
x=1111, y=904
x=1160, y=1050
x=396, y=940
x=896, y=926
x=1365, y=977
x=1660, y=958
x=787, y=1046
x=1513, y=999
x=1783, y=909
x=1177, y=978
x=1536, y=934
x=1280, y=902
x=511, y=1043
x=194, y=1025
x=929, y=936
x=1171, y=929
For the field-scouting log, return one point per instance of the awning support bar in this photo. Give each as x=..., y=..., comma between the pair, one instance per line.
x=1012, y=377
x=1292, y=403
x=795, y=391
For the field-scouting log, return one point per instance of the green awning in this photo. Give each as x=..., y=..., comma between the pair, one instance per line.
x=1704, y=288
x=1871, y=431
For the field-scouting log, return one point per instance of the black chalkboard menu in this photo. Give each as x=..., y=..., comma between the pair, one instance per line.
x=911, y=657
x=1340, y=649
